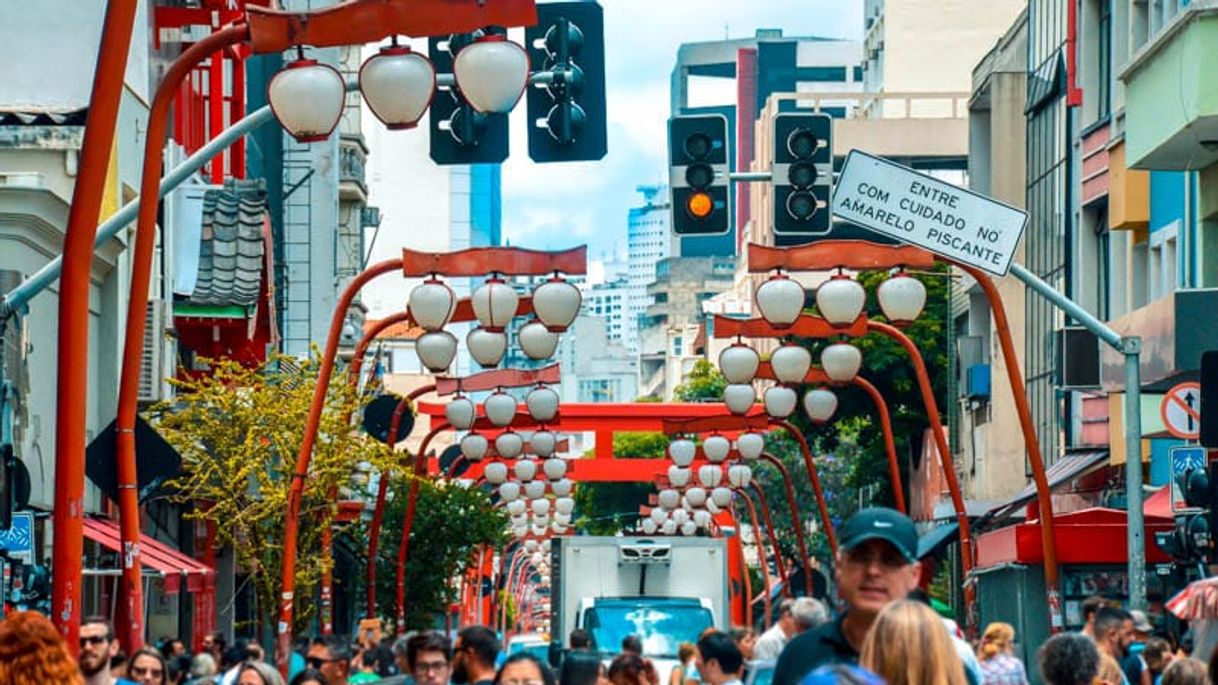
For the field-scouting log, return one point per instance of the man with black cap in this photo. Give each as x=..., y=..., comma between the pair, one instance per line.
x=876, y=565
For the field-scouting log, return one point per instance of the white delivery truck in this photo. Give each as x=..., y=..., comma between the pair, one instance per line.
x=664, y=590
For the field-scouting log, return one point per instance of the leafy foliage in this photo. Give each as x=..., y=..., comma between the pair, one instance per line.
x=704, y=384
x=606, y=508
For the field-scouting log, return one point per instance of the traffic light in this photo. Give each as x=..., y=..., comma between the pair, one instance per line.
x=1209, y=399
x=459, y=134
x=698, y=174
x=1192, y=540
x=802, y=176
x=567, y=113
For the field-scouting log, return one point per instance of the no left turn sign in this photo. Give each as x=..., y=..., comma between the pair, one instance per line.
x=1181, y=411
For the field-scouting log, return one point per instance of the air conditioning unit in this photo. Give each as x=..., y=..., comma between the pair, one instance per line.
x=970, y=351
x=152, y=366
x=1077, y=352
x=645, y=552
x=977, y=386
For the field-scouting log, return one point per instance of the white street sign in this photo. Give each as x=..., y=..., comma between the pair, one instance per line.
x=922, y=210
x=1181, y=410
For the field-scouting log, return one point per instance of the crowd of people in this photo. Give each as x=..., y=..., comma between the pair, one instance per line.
x=887, y=633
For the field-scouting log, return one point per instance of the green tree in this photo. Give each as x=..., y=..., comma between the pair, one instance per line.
x=606, y=508
x=703, y=384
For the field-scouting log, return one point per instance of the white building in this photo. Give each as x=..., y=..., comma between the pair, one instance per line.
x=649, y=239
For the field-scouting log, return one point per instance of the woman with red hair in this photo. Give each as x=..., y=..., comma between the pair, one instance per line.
x=33, y=653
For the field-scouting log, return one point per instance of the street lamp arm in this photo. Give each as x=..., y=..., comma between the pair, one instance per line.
x=759, y=540
x=780, y=564
x=797, y=519
x=813, y=476
x=890, y=446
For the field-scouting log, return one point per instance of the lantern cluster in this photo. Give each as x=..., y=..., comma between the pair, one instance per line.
x=398, y=85
x=691, y=497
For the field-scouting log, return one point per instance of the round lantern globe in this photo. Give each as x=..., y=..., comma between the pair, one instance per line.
x=432, y=304
x=780, y=300
x=536, y=341
x=535, y=489
x=509, y=445
x=496, y=473
x=658, y=515
x=648, y=527
x=460, y=413
x=840, y=300
x=516, y=507
x=696, y=496
x=562, y=519
x=721, y=497
x=739, y=475
x=820, y=404
x=902, y=298
x=679, y=516
x=841, y=362
x=509, y=491
x=492, y=73
x=716, y=448
x=494, y=304
x=531, y=546
x=486, y=347
x=520, y=531
x=678, y=477
x=689, y=528
x=712, y=507
x=554, y=468
x=669, y=527
x=739, y=397
x=682, y=452
x=474, y=446
x=500, y=408
x=556, y=304
x=750, y=445
x=709, y=475
x=436, y=350
x=739, y=363
x=562, y=487
x=307, y=98
x=702, y=518
x=525, y=470
x=669, y=499
x=780, y=401
x=791, y=363
x=543, y=443
x=564, y=505
x=541, y=507
x=397, y=84
x=542, y=402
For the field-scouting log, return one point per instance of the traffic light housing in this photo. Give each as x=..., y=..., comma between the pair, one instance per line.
x=459, y=134
x=698, y=174
x=567, y=113
x=1209, y=399
x=1192, y=539
x=802, y=176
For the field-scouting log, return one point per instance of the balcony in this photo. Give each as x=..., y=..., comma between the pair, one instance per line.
x=1173, y=338
x=352, y=154
x=1171, y=105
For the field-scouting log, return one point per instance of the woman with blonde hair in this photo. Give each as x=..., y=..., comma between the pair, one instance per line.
x=998, y=665
x=909, y=645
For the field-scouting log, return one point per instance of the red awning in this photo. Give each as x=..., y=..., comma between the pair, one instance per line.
x=1158, y=505
x=1090, y=536
x=170, y=563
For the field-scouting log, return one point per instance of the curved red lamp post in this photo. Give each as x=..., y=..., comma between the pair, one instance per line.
x=780, y=563
x=765, y=566
x=796, y=518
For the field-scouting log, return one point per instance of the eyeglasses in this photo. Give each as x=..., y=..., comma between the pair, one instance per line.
x=94, y=640
x=317, y=662
x=141, y=672
x=886, y=556
x=430, y=666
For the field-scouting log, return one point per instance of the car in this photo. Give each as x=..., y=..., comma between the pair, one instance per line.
x=537, y=644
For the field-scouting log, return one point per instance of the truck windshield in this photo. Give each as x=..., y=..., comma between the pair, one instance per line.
x=662, y=626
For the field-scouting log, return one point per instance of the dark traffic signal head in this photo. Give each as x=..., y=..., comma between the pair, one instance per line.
x=802, y=171
x=459, y=133
x=566, y=108
x=698, y=174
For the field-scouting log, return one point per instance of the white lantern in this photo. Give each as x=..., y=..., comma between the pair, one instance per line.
x=543, y=443
x=538, y=531
x=460, y=413
x=397, y=85
x=750, y=445
x=678, y=477
x=739, y=363
x=509, y=445
x=520, y=519
x=545, y=546
x=696, y=496
x=554, y=468
x=711, y=506
x=556, y=303
x=679, y=516
x=658, y=515
x=486, y=347
x=520, y=531
x=537, y=341
x=517, y=507
x=669, y=499
x=496, y=472
x=841, y=362
x=307, y=98
x=739, y=475
x=474, y=446
x=541, y=507
x=500, y=408
x=682, y=452
x=492, y=73
x=564, y=505
x=716, y=448
x=531, y=546
x=689, y=528
x=669, y=527
x=562, y=519
x=739, y=397
x=721, y=497
x=432, y=304
x=902, y=298
x=494, y=304
x=840, y=300
x=780, y=401
x=436, y=350
x=542, y=402
x=562, y=487
x=780, y=301
x=535, y=489
x=509, y=491
x=709, y=475
x=525, y=470
x=702, y=518
x=820, y=404
x=649, y=527
x=791, y=363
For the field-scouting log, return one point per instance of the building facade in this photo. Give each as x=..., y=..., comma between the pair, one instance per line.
x=649, y=239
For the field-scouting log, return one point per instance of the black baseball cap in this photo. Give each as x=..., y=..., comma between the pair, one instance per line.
x=880, y=523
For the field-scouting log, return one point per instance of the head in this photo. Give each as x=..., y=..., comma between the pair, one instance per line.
x=908, y=644
x=808, y=613
x=996, y=640
x=331, y=655
x=1185, y=671
x=745, y=639
x=202, y=665
x=719, y=659
x=1091, y=606
x=877, y=560
x=631, y=644
x=1113, y=631
x=148, y=667
x=631, y=669
x=33, y=652
x=1141, y=625
x=309, y=676
x=686, y=651
x=97, y=646
x=232, y=657
x=179, y=667
x=1158, y=654
x=474, y=654
x=524, y=669
x=579, y=640
x=786, y=620
x=1068, y=659
x=214, y=644
x=580, y=669
x=429, y=658
x=174, y=647
x=258, y=673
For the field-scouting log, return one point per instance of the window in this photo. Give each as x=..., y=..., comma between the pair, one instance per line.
x=1103, y=92
x=676, y=345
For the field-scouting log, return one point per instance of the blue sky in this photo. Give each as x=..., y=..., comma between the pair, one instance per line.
x=560, y=205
